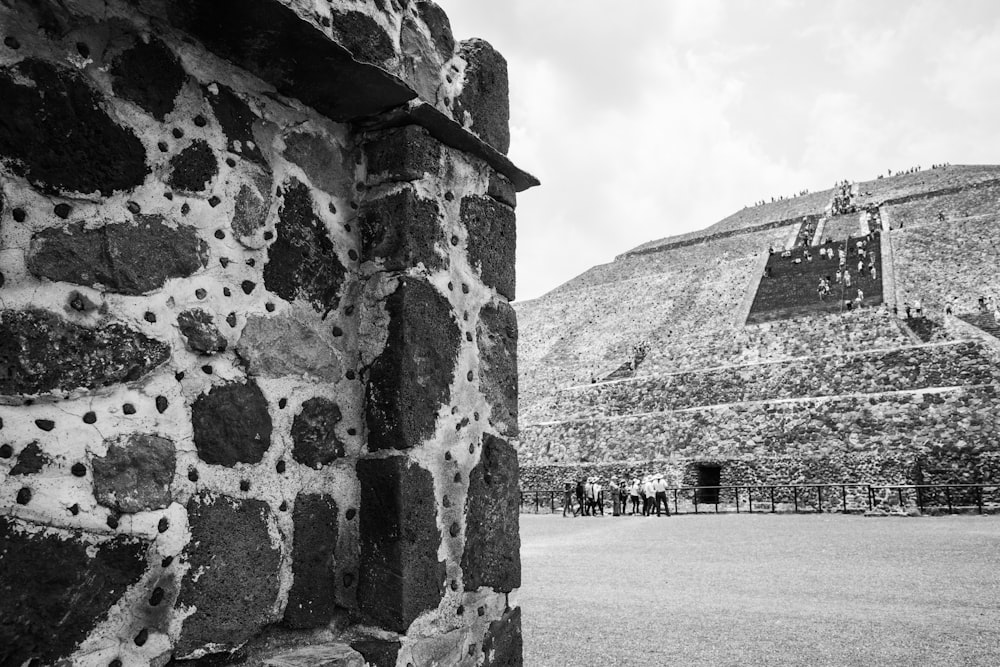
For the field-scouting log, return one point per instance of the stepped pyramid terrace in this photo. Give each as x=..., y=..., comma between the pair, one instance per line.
x=716, y=358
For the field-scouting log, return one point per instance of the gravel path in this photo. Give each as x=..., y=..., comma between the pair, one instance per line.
x=760, y=590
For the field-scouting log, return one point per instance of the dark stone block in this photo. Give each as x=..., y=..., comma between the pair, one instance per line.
x=362, y=36
x=400, y=575
x=503, y=645
x=497, y=341
x=202, y=335
x=55, y=133
x=321, y=160
x=302, y=262
x=313, y=433
x=378, y=652
x=233, y=578
x=31, y=460
x=401, y=154
x=437, y=22
x=236, y=120
x=403, y=230
x=150, y=75
x=231, y=424
x=54, y=591
x=194, y=167
x=409, y=382
x=312, y=598
x=271, y=41
x=485, y=94
x=41, y=352
x=135, y=473
x=492, y=241
x=124, y=258
x=492, y=538
x=501, y=189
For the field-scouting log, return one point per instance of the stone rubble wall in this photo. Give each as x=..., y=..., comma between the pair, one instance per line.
x=952, y=364
x=979, y=199
x=257, y=365
x=953, y=419
x=950, y=263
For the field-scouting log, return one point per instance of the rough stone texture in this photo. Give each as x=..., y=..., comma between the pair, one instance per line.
x=492, y=240
x=57, y=135
x=327, y=655
x=194, y=167
x=296, y=343
x=150, y=75
x=135, y=473
x=492, y=537
x=30, y=461
x=237, y=121
x=251, y=208
x=437, y=21
x=302, y=263
x=503, y=643
x=314, y=433
x=319, y=159
x=902, y=369
x=410, y=380
x=817, y=427
x=40, y=352
x=401, y=154
x=311, y=601
x=271, y=41
x=200, y=331
x=231, y=424
x=402, y=230
x=501, y=189
x=363, y=37
x=497, y=340
x=121, y=257
x=70, y=588
x=485, y=94
x=233, y=580
x=378, y=652
x=400, y=575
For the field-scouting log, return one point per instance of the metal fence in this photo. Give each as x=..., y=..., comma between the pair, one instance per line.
x=800, y=498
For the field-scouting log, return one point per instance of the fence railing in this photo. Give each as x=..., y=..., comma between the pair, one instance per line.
x=796, y=498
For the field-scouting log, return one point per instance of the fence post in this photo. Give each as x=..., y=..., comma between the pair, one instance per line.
x=696, y=499
x=552, y=502
x=718, y=492
x=920, y=501
x=536, y=502
x=795, y=498
x=675, y=501
x=843, y=498
x=819, y=499
x=737, y=500
x=979, y=498
x=750, y=499
x=899, y=494
x=772, y=500
x=947, y=494
x=871, y=498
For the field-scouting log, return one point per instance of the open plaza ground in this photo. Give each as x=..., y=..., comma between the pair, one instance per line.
x=760, y=590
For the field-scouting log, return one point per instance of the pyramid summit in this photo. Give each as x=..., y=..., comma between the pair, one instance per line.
x=840, y=336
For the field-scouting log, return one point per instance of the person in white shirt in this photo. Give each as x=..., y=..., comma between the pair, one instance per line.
x=598, y=498
x=649, y=493
x=660, y=487
x=633, y=495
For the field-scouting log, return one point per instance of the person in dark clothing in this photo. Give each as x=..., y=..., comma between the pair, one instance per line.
x=568, y=499
x=579, y=498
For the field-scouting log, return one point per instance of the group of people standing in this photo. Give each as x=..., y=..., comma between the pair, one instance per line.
x=626, y=496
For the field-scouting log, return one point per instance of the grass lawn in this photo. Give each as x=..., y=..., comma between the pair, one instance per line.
x=760, y=590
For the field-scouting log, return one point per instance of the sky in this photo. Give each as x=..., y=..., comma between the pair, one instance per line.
x=649, y=118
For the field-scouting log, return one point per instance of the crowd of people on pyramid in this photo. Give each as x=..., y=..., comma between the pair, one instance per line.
x=761, y=202
x=842, y=198
x=587, y=497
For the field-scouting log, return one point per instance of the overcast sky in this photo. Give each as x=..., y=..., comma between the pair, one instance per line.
x=647, y=118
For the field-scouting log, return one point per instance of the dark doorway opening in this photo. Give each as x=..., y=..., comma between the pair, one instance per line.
x=709, y=475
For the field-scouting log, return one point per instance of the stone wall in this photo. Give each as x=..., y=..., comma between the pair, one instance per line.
x=978, y=199
x=257, y=358
x=950, y=263
x=961, y=419
x=905, y=368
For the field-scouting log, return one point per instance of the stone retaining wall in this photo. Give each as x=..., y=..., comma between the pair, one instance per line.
x=257, y=363
x=957, y=419
x=965, y=363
